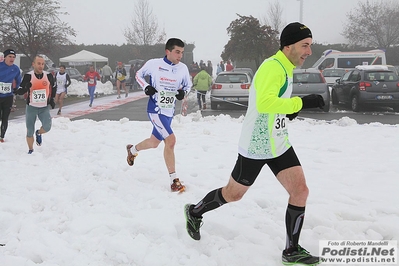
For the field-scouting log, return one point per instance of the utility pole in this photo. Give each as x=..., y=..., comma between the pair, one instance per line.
x=300, y=11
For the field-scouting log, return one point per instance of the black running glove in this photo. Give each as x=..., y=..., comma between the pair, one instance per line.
x=150, y=90
x=52, y=103
x=18, y=91
x=312, y=101
x=180, y=95
x=292, y=116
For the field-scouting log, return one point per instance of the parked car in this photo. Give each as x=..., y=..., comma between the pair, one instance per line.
x=72, y=72
x=229, y=87
x=332, y=74
x=311, y=81
x=367, y=85
x=244, y=69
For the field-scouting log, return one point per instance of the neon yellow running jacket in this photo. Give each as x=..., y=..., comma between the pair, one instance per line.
x=264, y=132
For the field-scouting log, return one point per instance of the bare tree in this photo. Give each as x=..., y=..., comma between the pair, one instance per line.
x=373, y=24
x=273, y=17
x=144, y=26
x=33, y=27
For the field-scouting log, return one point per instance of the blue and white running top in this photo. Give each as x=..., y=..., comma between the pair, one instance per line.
x=166, y=78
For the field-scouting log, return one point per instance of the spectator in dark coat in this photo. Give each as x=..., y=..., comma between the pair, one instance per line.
x=209, y=68
x=221, y=65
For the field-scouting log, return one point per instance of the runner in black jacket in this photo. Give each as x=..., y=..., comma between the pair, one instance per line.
x=41, y=91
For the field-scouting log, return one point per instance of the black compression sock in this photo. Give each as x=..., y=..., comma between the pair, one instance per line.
x=293, y=222
x=212, y=200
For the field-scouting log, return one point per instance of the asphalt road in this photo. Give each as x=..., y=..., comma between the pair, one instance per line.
x=365, y=117
x=136, y=111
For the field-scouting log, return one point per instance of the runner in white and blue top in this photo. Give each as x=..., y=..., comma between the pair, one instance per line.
x=167, y=78
x=164, y=80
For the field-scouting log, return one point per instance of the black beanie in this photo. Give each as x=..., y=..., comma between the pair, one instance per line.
x=294, y=32
x=8, y=51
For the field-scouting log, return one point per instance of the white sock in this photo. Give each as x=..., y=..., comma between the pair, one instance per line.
x=133, y=149
x=172, y=177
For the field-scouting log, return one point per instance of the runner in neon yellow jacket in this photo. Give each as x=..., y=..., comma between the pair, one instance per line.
x=264, y=133
x=264, y=140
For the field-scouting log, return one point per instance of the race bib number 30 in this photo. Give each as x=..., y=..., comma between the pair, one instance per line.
x=280, y=129
x=166, y=99
x=5, y=87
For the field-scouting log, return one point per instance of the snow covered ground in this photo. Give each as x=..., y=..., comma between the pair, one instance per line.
x=75, y=201
x=79, y=88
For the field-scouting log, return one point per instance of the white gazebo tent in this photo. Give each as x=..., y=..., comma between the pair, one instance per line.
x=84, y=58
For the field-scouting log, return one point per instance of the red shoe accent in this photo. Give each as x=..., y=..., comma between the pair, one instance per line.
x=130, y=157
x=177, y=186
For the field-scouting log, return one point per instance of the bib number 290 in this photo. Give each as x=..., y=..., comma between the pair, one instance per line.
x=166, y=99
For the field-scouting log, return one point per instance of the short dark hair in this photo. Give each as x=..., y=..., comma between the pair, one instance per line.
x=172, y=42
x=62, y=66
x=38, y=56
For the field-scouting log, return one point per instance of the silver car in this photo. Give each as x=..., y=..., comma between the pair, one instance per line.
x=244, y=69
x=311, y=81
x=332, y=74
x=230, y=88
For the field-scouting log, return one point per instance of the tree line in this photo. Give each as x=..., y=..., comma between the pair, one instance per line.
x=119, y=53
x=34, y=29
x=371, y=25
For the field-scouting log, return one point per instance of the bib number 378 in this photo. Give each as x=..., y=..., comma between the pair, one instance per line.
x=39, y=96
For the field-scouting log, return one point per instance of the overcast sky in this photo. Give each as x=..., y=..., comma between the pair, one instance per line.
x=201, y=22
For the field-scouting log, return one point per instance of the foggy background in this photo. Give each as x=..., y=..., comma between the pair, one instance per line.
x=203, y=23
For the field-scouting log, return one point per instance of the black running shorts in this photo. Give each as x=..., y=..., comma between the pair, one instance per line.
x=247, y=170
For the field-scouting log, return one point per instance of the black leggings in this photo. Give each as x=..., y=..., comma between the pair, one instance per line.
x=5, y=110
x=247, y=170
x=201, y=94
